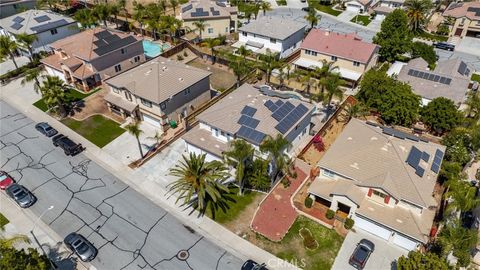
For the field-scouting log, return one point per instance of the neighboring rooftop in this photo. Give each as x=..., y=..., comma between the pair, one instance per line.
x=206, y=9
x=158, y=79
x=34, y=21
x=274, y=27
x=470, y=10
x=449, y=79
x=399, y=163
x=349, y=46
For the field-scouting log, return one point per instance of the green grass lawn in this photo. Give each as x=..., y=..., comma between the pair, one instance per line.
x=324, y=8
x=475, y=77
x=429, y=36
x=97, y=129
x=292, y=248
x=3, y=221
x=72, y=96
x=41, y=105
x=281, y=2
x=362, y=20
x=236, y=206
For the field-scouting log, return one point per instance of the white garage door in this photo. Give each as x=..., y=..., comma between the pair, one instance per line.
x=353, y=8
x=208, y=157
x=54, y=72
x=404, y=242
x=372, y=228
x=151, y=120
x=379, y=17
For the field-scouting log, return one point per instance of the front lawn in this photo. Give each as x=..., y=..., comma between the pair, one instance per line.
x=292, y=247
x=97, y=129
x=433, y=37
x=281, y=2
x=236, y=206
x=475, y=77
x=3, y=221
x=324, y=8
x=72, y=96
x=362, y=20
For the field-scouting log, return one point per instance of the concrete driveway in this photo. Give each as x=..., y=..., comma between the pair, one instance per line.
x=8, y=64
x=296, y=4
x=471, y=59
x=469, y=45
x=384, y=256
x=347, y=15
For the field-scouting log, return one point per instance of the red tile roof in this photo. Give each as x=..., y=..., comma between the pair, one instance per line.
x=349, y=46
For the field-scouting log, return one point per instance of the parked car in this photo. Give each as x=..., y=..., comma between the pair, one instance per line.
x=252, y=265
x=361, y=254
x=5, y=180
x=306, y=9
x=69, y=147
x=444, y=46
x=22, y=196
x=46, y=129
x=80, y=246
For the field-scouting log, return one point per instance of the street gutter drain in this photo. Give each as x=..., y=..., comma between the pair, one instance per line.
x=183, y=255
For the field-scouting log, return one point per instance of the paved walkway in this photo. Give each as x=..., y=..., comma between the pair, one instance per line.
x=276, y=214
x=8, y=65
x=347, y=16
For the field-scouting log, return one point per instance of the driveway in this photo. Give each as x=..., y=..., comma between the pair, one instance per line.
x=472, y=60
x=383, y=257
x=8, y=65
x=347, y=15
x=469, y=45
x=296, y=4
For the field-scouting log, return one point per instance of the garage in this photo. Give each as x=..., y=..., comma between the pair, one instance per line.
x=379, y=17
x=354, y=7
x=372, y=228
x=193, y=149
x=152, y=121
x=54, y=72
x=404, y=241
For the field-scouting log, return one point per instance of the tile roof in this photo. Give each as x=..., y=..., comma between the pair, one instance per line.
x=34, y=21
x=158, y=79
x=470, y=10
x=349, y=46
x=205, y=10
x=274, y=27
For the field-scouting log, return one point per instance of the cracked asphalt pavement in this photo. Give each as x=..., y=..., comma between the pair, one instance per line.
x=130, y=231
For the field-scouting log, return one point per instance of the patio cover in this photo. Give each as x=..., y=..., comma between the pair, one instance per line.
x=120, y=102
x=345, y=73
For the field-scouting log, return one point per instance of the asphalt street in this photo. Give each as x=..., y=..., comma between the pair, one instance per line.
x=130, y=231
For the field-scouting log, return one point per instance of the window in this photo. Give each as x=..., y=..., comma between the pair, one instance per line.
x=226, y=29
x=163, y=105
x=115, y=90
x=356, y=64
x=186, y=91
x=334, y=58
x=123, y=51
x=310, y=52
x=222, y=133
x=216, y=132
x=272, y=40
x=244, y=34
x=118, y=68
x=54, y=31
x=136, y=59
x=146, y=103
x=210, y=30
x=328, y=173
x=379, y=194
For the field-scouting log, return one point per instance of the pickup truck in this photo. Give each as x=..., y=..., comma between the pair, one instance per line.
x=69, y=147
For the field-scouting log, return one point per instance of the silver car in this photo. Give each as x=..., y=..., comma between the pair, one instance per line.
x=21, y=195
x=80, y=246
x=46, y=129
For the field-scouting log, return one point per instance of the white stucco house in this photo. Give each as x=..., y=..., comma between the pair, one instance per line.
x=384, y=7
x=358, y=6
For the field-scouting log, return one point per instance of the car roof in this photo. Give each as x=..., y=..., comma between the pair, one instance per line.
x=367, y=243
x=43, y=124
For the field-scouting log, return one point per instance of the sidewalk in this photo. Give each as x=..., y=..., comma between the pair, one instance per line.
x=138, y=181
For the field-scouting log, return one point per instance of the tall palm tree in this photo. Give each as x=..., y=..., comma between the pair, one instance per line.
x=356, y=110
x=455, y=237
x=239, y=67
x=134, y=129
x=462, y=197
x=333, y=89
x=308, y=81
x=53, y=93
x=244, y=52
x=114, y=10
x=417, y=11
x=170, y=24
x=324, y=72
x=200, y=184
x=8, y=47
x=275, y=148
x=31, y=75
x=158, y=137
x=255, y=10
x=239, y=154
x=139, y=13
x=86, y=18
x=122, y=4
x=211, y=43
x=473, y=105
x=265, y=6
x=174, y=5
x=312, y=17
x=102, y=13
x=200, y=26
x=268, y=62
x=26, y=42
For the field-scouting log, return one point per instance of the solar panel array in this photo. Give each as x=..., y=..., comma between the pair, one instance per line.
x=292, y=118
x=251, y=135
x=474, y=9
x=413, y=160
x=429, y=76
x=437, y=161
x=214, y=12
x=48, y=26
x=199, y=12
x=399, y=134
x=284, y=109
x=463, y=69
x=187, y=8
x=18, y=19
x=248, y=121
x=271, y=106
x=247, y=110
x=42, y=18
x=16, y=26
x=108, y=42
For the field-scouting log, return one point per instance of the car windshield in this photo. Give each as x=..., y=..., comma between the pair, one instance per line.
x=361, y=254
x=48, y=128
x=20, y=194
x=82, y=248
x=3, y=177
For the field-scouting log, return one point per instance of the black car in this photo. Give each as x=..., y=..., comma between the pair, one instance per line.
x=252, y=265
x=306, y=9
x=22, y=196
x=80, y=246
x=46, y=129
x=444, y=46
x=69, y=147
x=361, y=254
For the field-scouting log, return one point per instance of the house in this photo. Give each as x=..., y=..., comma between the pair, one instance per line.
x=159, y=92
x=11, y=7
x=87, y=58
x=248, y=114
x=383, y=179
x=467, y=19
x=449, y=79
x=275, y=33
x=352, y=56
x=384, y=7
x=47, y=26
x=358, y=6
x=219, y=17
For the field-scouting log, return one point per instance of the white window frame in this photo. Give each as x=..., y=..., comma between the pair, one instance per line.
x=146, y=103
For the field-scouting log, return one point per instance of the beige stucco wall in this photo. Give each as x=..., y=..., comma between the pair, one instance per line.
x=465, y=24
x=126, y=65
x=341, y=62
x=219, y=26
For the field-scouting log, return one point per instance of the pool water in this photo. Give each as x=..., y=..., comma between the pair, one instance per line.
x=152, y=49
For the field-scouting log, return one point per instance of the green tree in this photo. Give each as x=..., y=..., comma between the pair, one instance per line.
x=8, y=47
x=139, y=15
x=421, y=261
x=459, y=240
x=441, y=115
x=86, y=18
x=32, y=75
x=356, y=110
x=244, y=52
x=461, y=196
x=307, y=79
x=324, y=72
x=134, y=129
x=211, y=43
x=200, y=25
x=312, y=17
x=53, y=93
x=473, y=106
x=114, y=10
x=170, y=24
x=268, y=62
x=425, y=51
x=102, y=12
x=265, y=6
x=394, y=37
x=200, y=184
x=332, y=87
x=239, y=155
x=257, y=175
x=239, y=67
x=275, y=149
x=26, y=42
x=29, y=259
x=417, y=11
x=459, y=145
x=174, y=5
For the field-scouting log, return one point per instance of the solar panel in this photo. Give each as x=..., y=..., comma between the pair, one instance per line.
x=435, y=167
x=48, y=26
x=248, y=121
x=281, y=112
x=271, y=106
x=388, y=131
x=419, y=171
x=111, y=38
x=431, y=77
x=100, y=43
x=476, y=10
x=414, y=157
x=448, y=81
x=199, y=13
x=436, y=78
x=442, y=80
x=437, y=160
x=292, y=118
x=16, y=26
x=18, y=19
x=462, y=68
x=439, y=153
x=412, y=137
x=187, y=8
x=247, y=110
x=410, y=72
x=415, y=73
x=425, y=156
x=115, y=45
x=103, y=34
x=425, y=75
x=42, y=18
x=251, y=135
x=279, y=103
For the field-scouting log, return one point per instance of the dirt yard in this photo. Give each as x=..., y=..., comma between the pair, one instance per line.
x=221, y=78
x=241, y=225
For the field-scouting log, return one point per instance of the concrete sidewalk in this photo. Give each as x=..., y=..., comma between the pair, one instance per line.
x=140, y=182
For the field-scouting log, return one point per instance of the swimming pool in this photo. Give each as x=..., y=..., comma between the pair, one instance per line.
x=152, y=49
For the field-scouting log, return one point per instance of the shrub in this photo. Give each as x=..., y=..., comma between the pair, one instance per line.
x=348, y=223
x=330, y=214
x=309, y=241
x=185, y=53
x=477, y=175
x=179, y=57
x=308, y=202
x=286, y=182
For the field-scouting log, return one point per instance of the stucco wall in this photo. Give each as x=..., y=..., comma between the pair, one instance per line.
x=219, y=27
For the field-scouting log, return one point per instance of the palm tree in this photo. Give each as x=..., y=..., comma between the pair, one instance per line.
x=312, y=17
x=122, y=4
x=244, y=52
x=8, y=47
x=238, y=156
x=211, y=43
x=26, y=42
x=268, y=62
x=265, y=6
x=102, y=13
x=332, y=87
x=462, y=197
x=86, y=18
x=53, y=93
x=417, y=11
x=473, y=105
x=455, y=237
x=158, y=137
x=200, y=26
x=31, y=75
x=238, y=66
x=134, y=129
x=275, y=148
x=355, y=110
x=174, y=5
x=324, y=72
x=139, y=13
x=307, y=80
x=255, y=10
x=114, y=10
x=200, y=184
x=170, y=24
